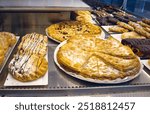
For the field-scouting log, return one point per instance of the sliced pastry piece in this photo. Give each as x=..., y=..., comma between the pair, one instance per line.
x=28, y=67
x=106, y=59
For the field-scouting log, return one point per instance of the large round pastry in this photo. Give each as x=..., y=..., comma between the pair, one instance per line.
x=65, y=30
x=98, y=59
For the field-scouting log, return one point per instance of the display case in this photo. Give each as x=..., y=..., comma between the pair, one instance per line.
x=28, y=16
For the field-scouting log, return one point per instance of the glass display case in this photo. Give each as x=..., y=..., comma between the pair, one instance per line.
x=27, y=16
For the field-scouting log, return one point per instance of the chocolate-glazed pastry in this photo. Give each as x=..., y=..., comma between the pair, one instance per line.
x=140, y=47
x=132, y=42
x=122, y=18
x=113, y=20
x=132, y=18
x=102, y=21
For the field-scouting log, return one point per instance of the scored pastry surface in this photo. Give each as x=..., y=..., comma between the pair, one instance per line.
x=29, y=63
x=106, y=59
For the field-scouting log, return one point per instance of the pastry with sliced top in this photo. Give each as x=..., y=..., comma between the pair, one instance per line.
x=29, y=63
x=98, y=59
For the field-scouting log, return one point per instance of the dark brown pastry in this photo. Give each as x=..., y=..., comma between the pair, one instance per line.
x=113, y=20
x=140, y=47
x=122, y=19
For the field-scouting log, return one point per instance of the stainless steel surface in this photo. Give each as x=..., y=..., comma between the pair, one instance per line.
x=42, y=5
x=61, y=84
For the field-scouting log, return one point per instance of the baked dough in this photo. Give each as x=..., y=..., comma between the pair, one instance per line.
x=143, y=24
x=7, y=40
x=118, y=29
x=125, y=25
x=143, y=32
x=149, y=62
x=65, y=30
x=29, y=63
x=131, y=35
x=84, y=16
x=98, y=59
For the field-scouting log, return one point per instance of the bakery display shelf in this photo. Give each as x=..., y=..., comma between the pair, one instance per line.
x=60, y=81
x=42, y=5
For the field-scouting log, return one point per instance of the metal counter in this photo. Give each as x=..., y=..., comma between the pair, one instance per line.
x=61, y=84
x=42, y=5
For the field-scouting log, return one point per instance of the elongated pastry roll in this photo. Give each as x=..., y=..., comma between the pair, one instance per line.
x=118, y=29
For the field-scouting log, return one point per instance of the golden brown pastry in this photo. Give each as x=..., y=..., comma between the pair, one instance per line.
x=131, y=35
x=149, y=62
x=118, y=29
x=65, y=30
x=84, y=16
x=126, y=26
x=6, y=41
x=147, y=21
x=133, y=24
x=98, y=59
x=147, y=29
x=29, y=63
x=143, y=24
x=141, y=31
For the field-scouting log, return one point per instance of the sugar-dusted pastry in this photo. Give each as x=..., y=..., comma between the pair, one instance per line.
x=143, y=24
x=6, y=41
x=143, y=32
x=99, y=59
x=65, y=30
x=29, y=63
x=118, y=29
x=147, y=21
x=126, y=26
x=131, y=35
